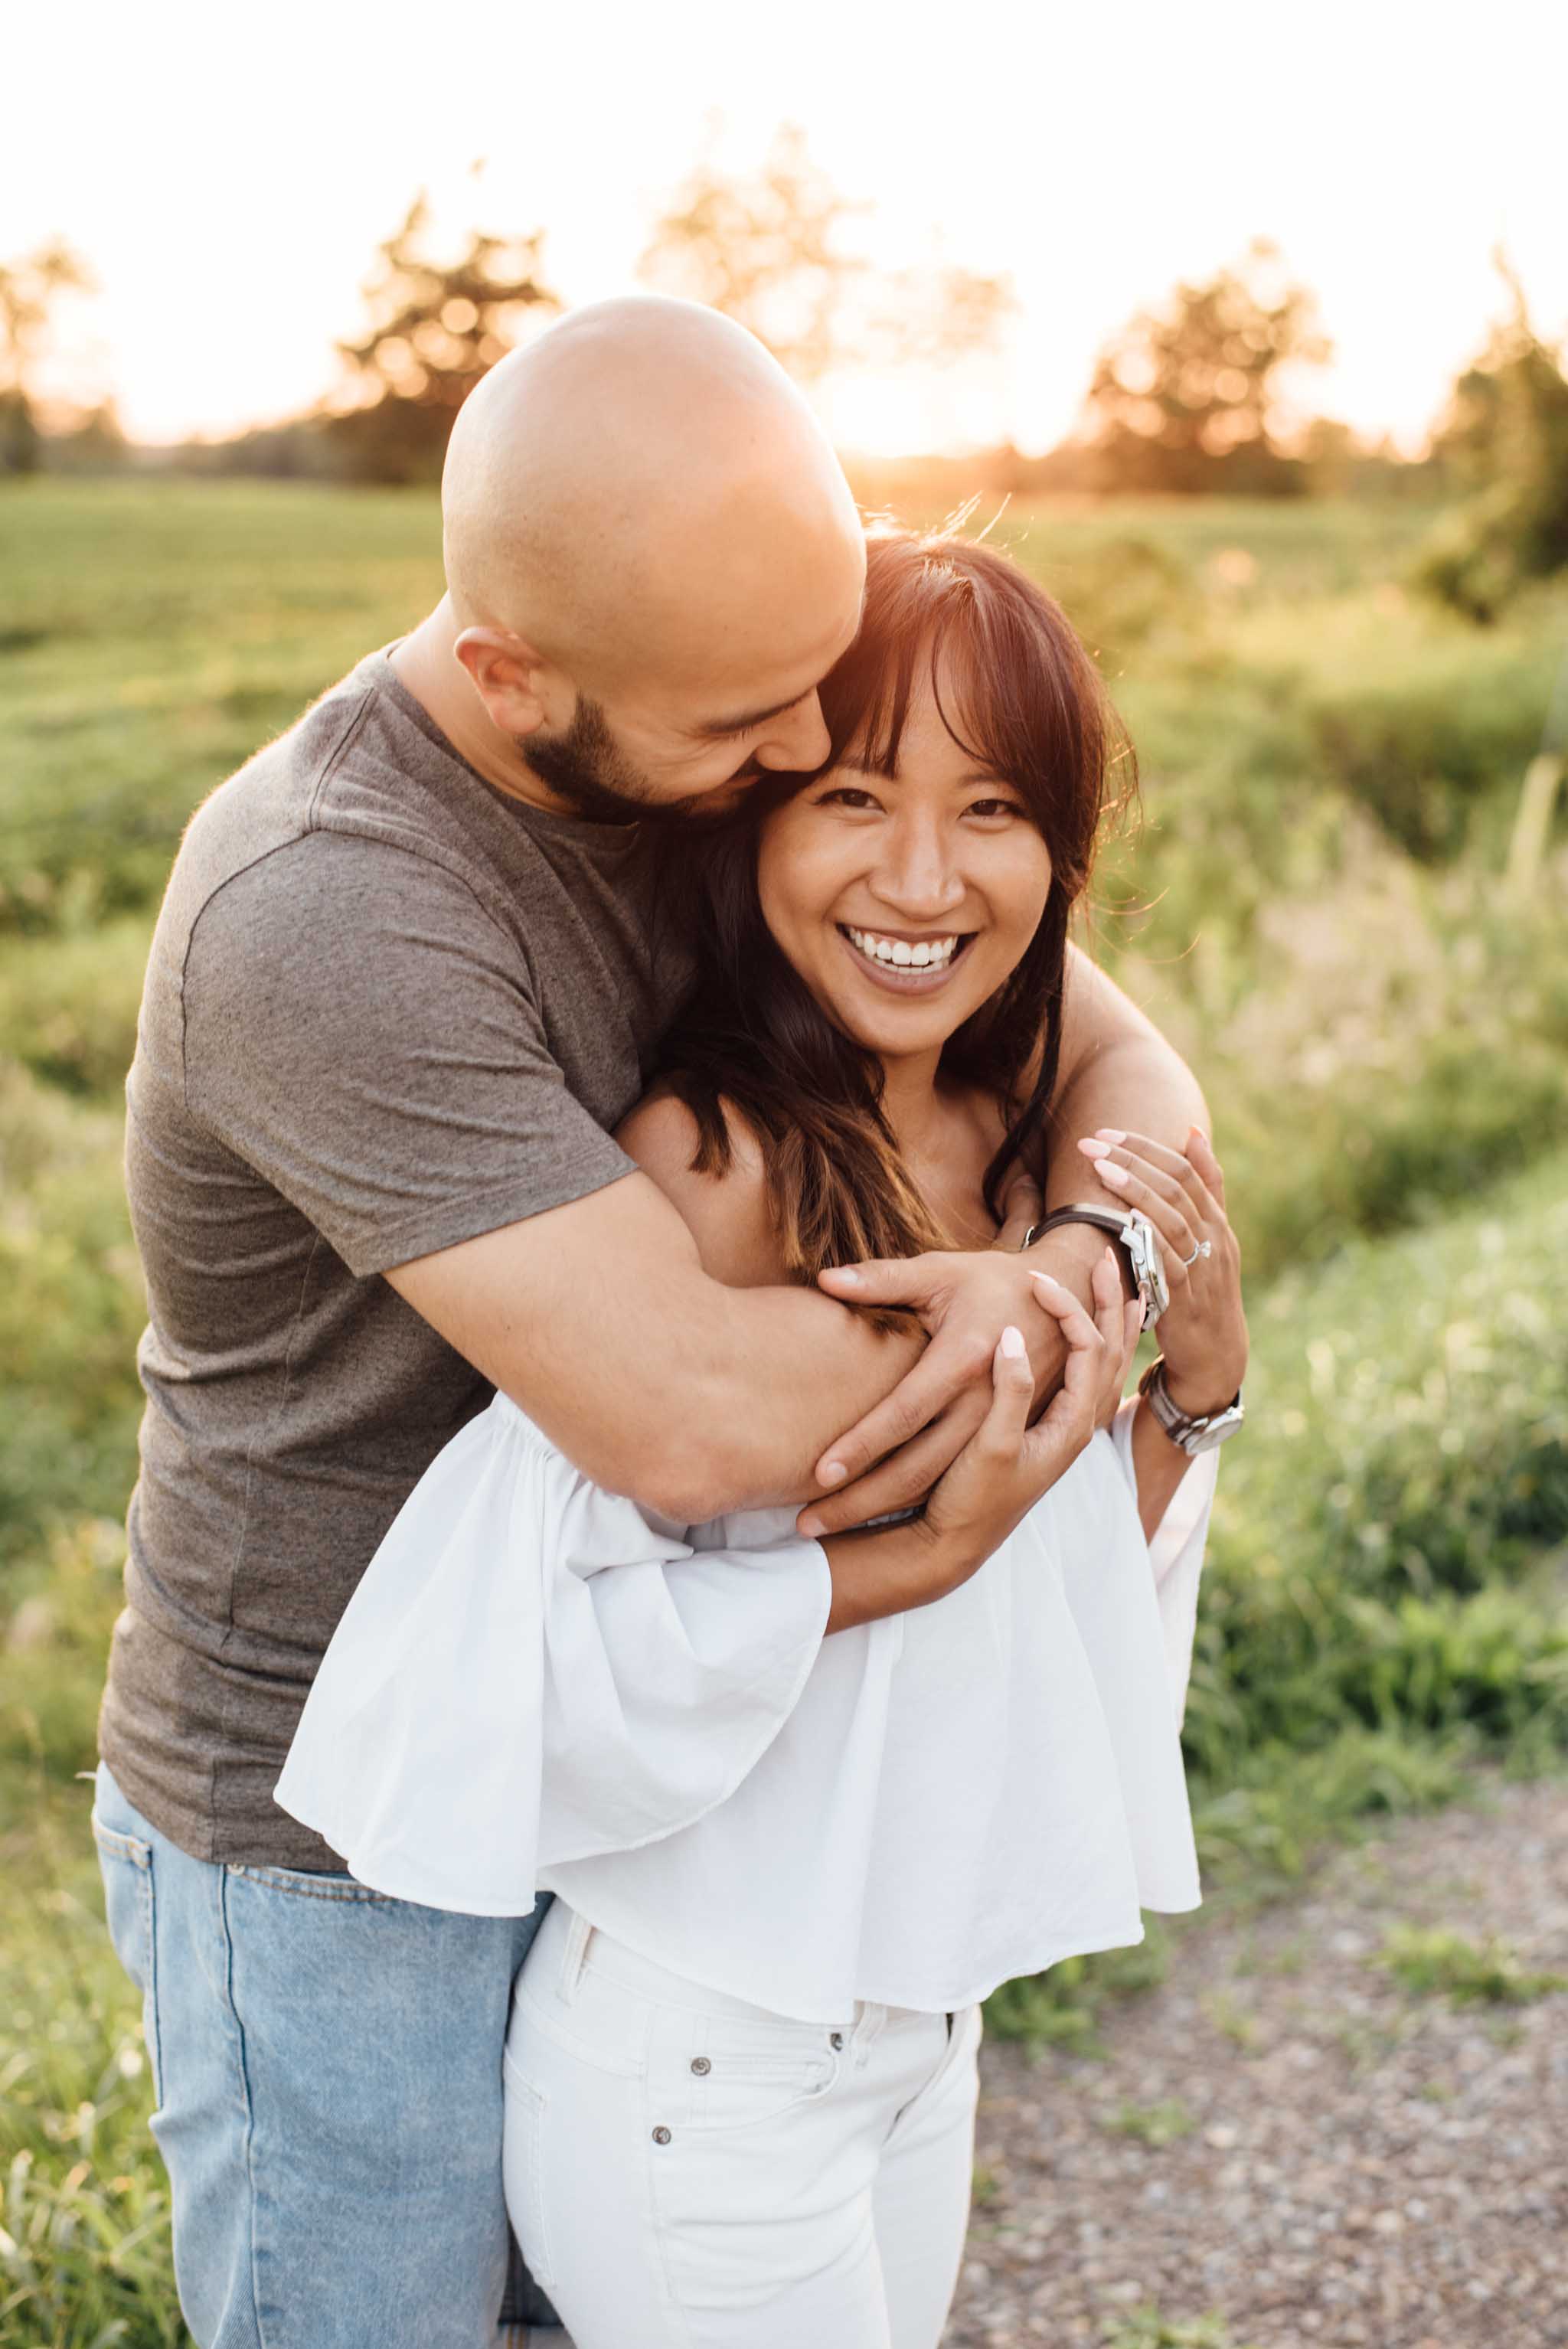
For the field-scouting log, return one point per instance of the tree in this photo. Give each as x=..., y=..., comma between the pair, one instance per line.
x=435, y=327
x=91, y=440
x=767, y=251
x=1183, y=398
x=29, y=288
x=1504, y=437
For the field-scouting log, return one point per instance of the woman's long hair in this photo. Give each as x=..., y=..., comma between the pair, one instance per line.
x=1019, y=693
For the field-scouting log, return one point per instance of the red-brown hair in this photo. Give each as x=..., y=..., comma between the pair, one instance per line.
x=1018, y=692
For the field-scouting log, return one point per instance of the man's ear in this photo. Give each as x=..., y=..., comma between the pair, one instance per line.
x=510, y=678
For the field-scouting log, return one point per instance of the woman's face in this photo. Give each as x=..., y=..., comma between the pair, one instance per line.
x=905, y=904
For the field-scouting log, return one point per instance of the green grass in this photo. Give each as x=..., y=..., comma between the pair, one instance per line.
x=84, y=2225
x=70, y=1315
x=1436, y=1962
x=1146, y=2328
x=153, y=635
x=1312, y=911
x=1152, y=2125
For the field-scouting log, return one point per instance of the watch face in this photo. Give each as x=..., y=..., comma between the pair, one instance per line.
x=1147, y=1264
x=1225, y=1422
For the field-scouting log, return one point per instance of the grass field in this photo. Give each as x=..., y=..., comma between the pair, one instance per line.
x=1312, y=907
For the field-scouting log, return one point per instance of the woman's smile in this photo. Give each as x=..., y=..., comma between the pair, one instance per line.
x=906, y=962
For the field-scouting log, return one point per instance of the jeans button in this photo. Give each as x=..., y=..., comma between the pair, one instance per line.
x=661, y=2136
x=700, y=2064
x=835, y=2040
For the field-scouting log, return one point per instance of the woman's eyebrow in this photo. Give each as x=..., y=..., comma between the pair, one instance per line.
x=855, y=762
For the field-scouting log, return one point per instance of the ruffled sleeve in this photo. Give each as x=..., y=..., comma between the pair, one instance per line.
x=1176, y=1552
x=532, y=1670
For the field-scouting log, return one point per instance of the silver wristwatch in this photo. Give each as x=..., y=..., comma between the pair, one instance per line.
x=1139, y=1240
x=1193, y=1435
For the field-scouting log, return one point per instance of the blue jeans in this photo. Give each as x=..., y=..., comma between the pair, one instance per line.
x=326, y=2066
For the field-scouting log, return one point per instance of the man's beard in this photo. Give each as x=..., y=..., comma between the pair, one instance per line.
x=587, y=766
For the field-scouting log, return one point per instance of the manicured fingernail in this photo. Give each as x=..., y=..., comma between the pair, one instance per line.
x=847, y=1273
x=1110, y=1133
x=1196, y=1133
x=1111, y=1173
x=1093, y=1149
x=809, y=1526
x=1013, y=1344
x=1047, y=1282
x=831, y=1471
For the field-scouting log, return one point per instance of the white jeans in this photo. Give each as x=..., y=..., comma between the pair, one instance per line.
x=685, y=2169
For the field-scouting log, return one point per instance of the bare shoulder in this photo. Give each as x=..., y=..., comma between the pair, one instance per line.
x=1096, y=1014
x=728, y=1215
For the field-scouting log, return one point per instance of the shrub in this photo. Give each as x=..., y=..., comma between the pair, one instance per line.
x=1421, y=739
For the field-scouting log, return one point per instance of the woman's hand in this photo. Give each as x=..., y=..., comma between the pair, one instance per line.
x=1007, y=1465
x=1002, y=1469
x=1203, y=1330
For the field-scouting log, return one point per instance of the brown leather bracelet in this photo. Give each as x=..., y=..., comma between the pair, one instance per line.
x=1107, y=1219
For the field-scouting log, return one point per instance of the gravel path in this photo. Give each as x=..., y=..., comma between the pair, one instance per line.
x=1347, y=2162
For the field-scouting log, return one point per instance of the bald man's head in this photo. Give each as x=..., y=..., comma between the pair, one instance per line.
x=642, y=506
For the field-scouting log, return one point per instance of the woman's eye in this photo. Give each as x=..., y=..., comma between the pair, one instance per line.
x=846, y=795
x=994, y=808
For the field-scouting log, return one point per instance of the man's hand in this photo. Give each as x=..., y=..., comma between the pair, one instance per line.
x=895, y=1455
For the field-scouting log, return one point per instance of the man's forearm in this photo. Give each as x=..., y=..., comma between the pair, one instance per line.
x=745, y=1391
x=654, y=1378
x=789, y=1372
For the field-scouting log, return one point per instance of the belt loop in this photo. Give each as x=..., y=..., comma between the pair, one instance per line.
x=574, y=1957
x=868, y=2030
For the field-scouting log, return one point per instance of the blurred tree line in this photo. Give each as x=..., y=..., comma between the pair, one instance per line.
x=1204, y=392
x=30, y=287
x=1184, y=398
x=1505, y=438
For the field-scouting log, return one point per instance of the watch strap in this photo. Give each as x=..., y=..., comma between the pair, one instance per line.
x=1105, y=1219
x=1192, y=1433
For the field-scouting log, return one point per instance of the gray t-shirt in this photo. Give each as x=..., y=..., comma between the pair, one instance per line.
x=387, y=1009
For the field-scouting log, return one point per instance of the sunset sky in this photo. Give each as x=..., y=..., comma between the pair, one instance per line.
x=227, y=173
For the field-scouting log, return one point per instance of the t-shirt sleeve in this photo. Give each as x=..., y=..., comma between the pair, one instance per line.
x=359, y=1032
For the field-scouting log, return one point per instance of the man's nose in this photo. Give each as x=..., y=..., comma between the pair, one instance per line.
x=798, y=741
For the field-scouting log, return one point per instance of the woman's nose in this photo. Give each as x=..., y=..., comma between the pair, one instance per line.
x=918, y=877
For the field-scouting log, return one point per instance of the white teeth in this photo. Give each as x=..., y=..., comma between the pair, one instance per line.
x=926, y=954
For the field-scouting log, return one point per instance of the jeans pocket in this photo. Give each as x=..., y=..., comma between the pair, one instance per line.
x=726, y=2080
x=522, y=2167
x=125, y=1863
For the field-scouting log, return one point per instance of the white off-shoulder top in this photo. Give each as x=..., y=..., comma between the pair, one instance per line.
x=540, y=1685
